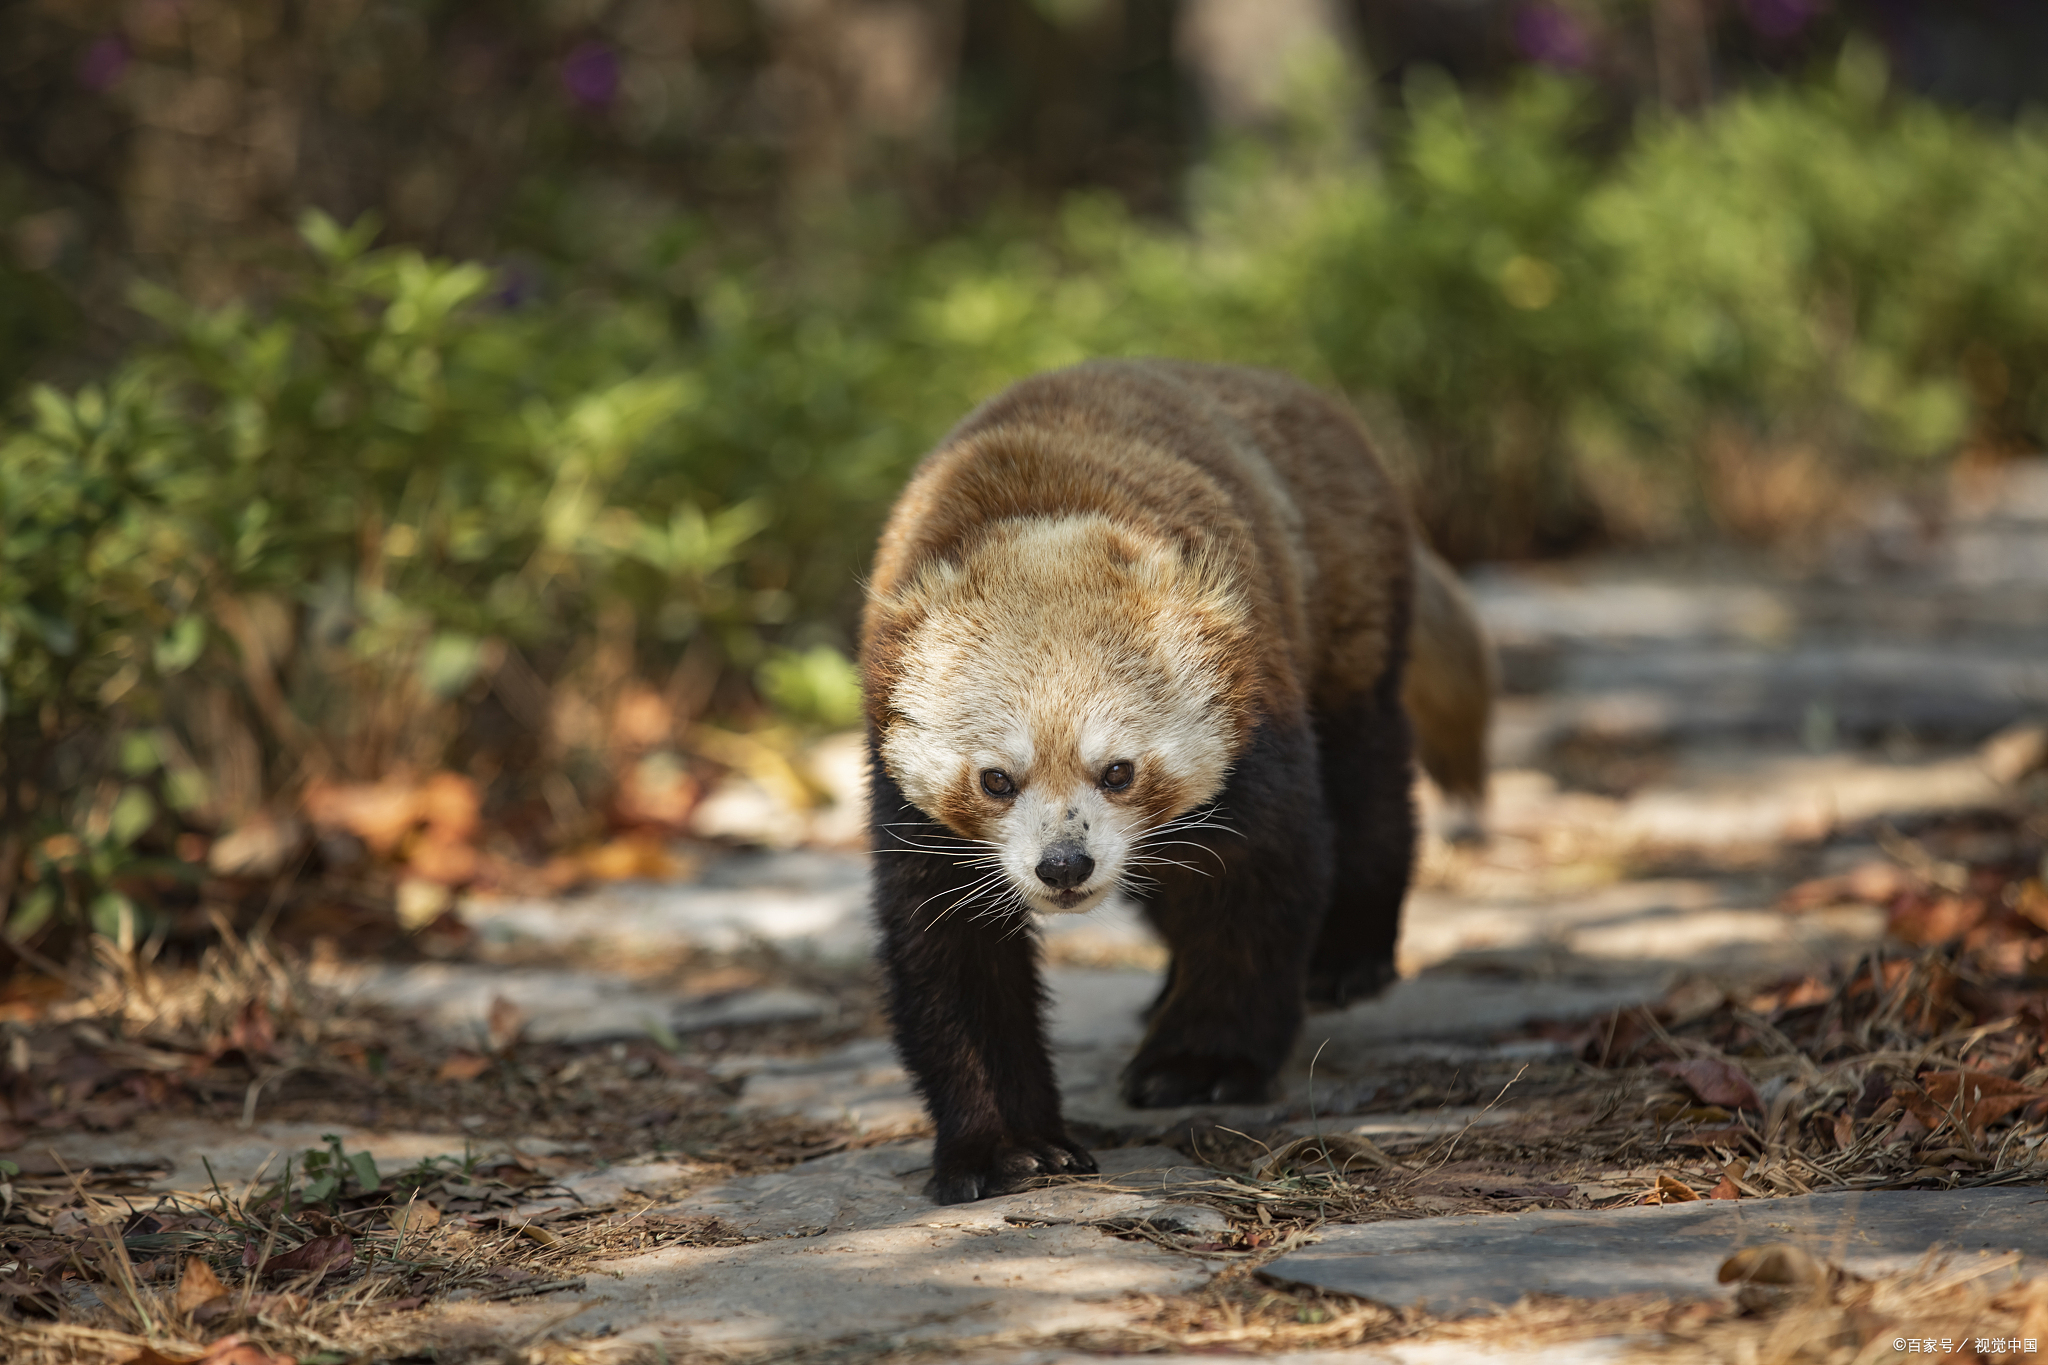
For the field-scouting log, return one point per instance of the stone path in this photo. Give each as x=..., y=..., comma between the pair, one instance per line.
x=1460, y=1265
x=1749, y=706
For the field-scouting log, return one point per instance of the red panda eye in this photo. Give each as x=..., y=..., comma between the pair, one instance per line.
x=1117, y=776
x=996, y=782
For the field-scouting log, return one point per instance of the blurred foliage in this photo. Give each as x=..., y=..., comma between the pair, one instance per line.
x=411, y=514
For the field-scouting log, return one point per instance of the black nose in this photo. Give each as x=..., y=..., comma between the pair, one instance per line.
x=1064, y=867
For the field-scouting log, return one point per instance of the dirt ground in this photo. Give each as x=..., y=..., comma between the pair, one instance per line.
x=1762, y=916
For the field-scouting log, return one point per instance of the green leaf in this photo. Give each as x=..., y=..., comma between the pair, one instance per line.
x=112, y=915
x=134, y=811
x=187, y=790
x=818, y=686
x=179, y=648
x=335, y=244
x=53, y=413
x=139, y=755
x=32, y=911
x=320, y=1188
x=364, y=1166
x=451, y=662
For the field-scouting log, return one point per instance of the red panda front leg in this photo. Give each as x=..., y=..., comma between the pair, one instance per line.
x=966, y=1006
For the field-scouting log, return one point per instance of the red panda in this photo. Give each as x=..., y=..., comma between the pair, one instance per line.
x=1141, y=626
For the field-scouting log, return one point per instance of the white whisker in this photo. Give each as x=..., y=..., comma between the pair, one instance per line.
x=1206, y=818
x=973, y=888
x=980, y=886
x=1153, y=841
x=1171, y=862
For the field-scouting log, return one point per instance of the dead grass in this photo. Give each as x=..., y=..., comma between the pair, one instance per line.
x=1977, y=1310
x=322, y=1262
x=1973, y=1311
x=1898, y=1071
x=323, y=1257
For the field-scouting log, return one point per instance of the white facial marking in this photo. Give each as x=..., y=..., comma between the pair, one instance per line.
x=1052, y=653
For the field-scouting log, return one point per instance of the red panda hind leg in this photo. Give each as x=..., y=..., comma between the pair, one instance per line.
x=1240, y=917
x=1368, y=787
x=1366, y=747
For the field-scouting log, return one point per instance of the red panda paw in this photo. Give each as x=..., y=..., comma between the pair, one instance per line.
x=982, y=1170
x=1162, y=1082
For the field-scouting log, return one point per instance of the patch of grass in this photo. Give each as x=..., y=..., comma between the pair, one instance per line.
x=324, y=1256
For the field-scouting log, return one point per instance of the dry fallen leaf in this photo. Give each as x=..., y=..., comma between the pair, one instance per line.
x=1669, y=1189
x=150, y=1355
x=418, y=1216
x=1715, y=1081
x=260, y=847
x=505, y=1023
x=462, y=1066
x=229, y=1350
x=1927, y=920
x=198, y=1286
x=232, y=1350
x=628, y=858
x=449, y=803
x=380, y=815
x=323, y=1256
x=447, y=862
x=1774, y=1263
x=1978, y=1098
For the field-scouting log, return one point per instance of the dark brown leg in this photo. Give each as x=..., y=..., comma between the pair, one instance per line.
x=966, y=1004
x=1240, y=919
x=1368, y=785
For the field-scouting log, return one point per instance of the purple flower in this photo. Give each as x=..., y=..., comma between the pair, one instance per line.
x=591, y=75
x=103, y=63
x=1780, y=19
x=519, y=283
x=1553, y=36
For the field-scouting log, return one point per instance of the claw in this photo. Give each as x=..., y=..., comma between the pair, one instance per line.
x=1005, y=1169
x=1167, y=1082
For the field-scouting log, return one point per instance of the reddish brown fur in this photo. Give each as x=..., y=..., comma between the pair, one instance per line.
x=1226, y=462
x=1249, y=512
x=1451, y=680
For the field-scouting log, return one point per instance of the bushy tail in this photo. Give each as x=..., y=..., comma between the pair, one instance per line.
x=1449, y=688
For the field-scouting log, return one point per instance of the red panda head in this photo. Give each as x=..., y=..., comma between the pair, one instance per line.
x=1056, y=695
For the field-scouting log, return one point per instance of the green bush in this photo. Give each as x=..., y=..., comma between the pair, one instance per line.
x=295, y=545
x=1822, y=258
x=1802, y=268
x=394, y=515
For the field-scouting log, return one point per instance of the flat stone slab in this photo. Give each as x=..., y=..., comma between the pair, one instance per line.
x=1637, y=932
x=561, y=1005
x=933, y=1274
x=1464, y=1265
x=829, y=921
x=1592, y=1351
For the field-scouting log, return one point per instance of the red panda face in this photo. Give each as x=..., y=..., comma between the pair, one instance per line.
x=1058, y=696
